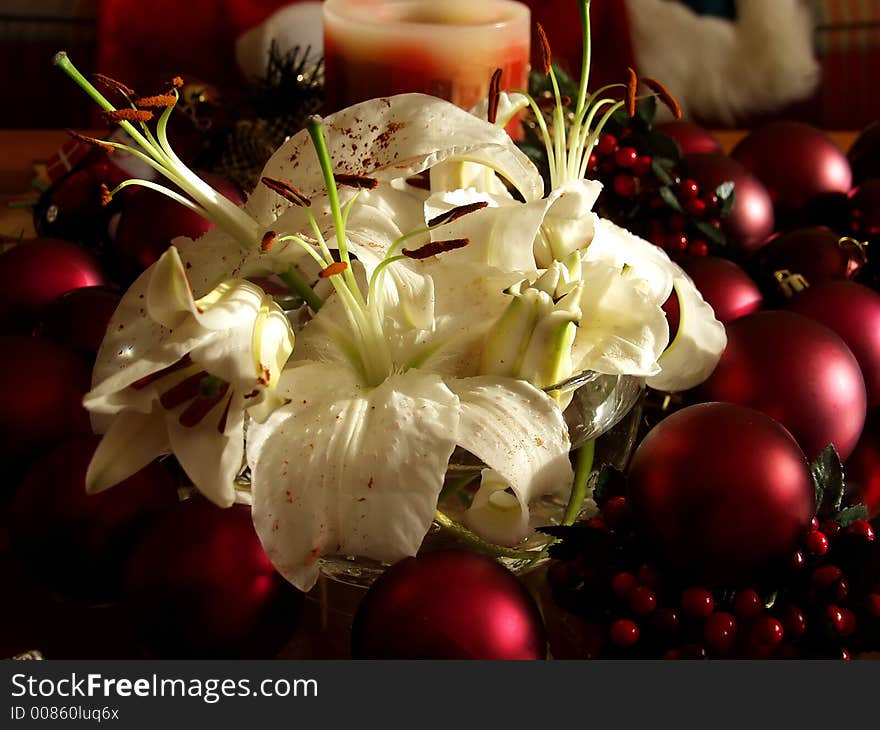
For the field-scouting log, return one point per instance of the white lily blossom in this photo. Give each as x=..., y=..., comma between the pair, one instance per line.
x=177, y=375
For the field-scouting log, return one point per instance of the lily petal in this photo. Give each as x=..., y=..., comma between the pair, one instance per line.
x=351, y=471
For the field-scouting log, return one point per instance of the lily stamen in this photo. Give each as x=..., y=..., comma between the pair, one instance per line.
x=455, y=213
x=664, y=95
x=494, y=96
x=435, y=247
x=334, y=269
x=356, y=181
x=114, y=116
x=286, y=191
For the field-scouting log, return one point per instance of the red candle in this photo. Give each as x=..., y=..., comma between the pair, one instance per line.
x=447, y=48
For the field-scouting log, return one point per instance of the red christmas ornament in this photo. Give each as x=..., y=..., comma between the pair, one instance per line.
x=448, y=605
x=853, y=312
x=691, y=138
x=724, y=285
x=151, y=221
x=75, y=542
x=864, y=155
x=199, y=585
x=797, y=371
x=750, y=221
x=722, y=491
x=36, y=272
x=79, y=319
x=796, y=162
x=863, y=466
x=41, y=389
x=806, y=256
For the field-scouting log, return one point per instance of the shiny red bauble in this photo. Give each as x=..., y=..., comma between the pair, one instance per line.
x=750, y=221
x=797, y=371
x=35, y=272
x=796, y=162
x=41, y=389
x=865, y=209
x=79, y=318
x=864, y=154
x=808, y=255
x=724, y=285
x=722, y=491
x=74, y=542
x=150, y=221
x=863, y=466
x=691, y=138
x=448, y=605
x=199, y=585
x=853, y=312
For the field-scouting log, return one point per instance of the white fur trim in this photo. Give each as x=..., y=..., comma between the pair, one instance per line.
x=722, y=70
x=297, y=24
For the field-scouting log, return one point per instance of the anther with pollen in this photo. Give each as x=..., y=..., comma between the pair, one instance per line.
x=90, y=140
x=435, y=247
x=113, y=85
x=355, y=181
x=494, y=96
x=159, y=101
x=337, y=267
x=632, y=83
x=664, y=95
x=269, y=238
x=456, y=213
x=127, y=115
x=544, y=45
x=286, y=191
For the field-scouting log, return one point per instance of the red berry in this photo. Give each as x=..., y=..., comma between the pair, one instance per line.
x=695, y=208
x=817, y=543
x=688, y=190
x=648, y=575
x=748, y=604
x=642, y=600
x=845, y=656
x=624, y=185
x=623, y=583
x=676, y=243
x=798, y=560
x=794, y=623
x=861, y=528
x=593, y=162
x=697, y=602
x=835, y=617
x=607, y=144
x=873, y=603
x=830, y=527
x=615, y=511
x=720, y=632
x=597, y=523
x=643, y=165
x=624, y=633
x=711, y=201
x=765, y=636
x=626, y=157
x=698, y=248
x=814, y=524
x=826, y=576
x=667, y=619
x=849, y=622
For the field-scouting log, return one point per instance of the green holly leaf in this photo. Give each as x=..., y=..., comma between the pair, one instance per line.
x=848, y=515
x=670, y=199
x=662, y=168
x=645, y=110
x=828, y=482
x=661, y=145
x=726, y=193
x=713, y=234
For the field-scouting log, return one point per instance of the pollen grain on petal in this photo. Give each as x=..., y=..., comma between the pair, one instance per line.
x=337, y=267
x=436, y=247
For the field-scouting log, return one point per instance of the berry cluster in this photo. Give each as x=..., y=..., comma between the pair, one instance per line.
x=650, y=196
x=826, y=605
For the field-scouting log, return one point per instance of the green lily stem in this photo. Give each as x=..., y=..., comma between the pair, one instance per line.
x=476, y=543
x=300, y=286
x=583, y=469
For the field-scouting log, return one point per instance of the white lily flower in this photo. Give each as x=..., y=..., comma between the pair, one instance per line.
x=178, y=375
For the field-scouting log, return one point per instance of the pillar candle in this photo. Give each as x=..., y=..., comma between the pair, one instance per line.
x=447, y=48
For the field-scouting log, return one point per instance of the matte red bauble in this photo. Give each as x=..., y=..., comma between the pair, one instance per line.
x=36, y=272
x=77, y=543
x=795, y=161
x=853, y=312
x=448, y=605
x=805, y=256
x=797, y=371
x=865, y=209
x=750, y=222
x=863, y=466
x=41, y=389
x=199, y=585
x=722, y=491
x=691, y=138
x=864, y=154
x=724, y=285
x=79, y=319
x=151, y=221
